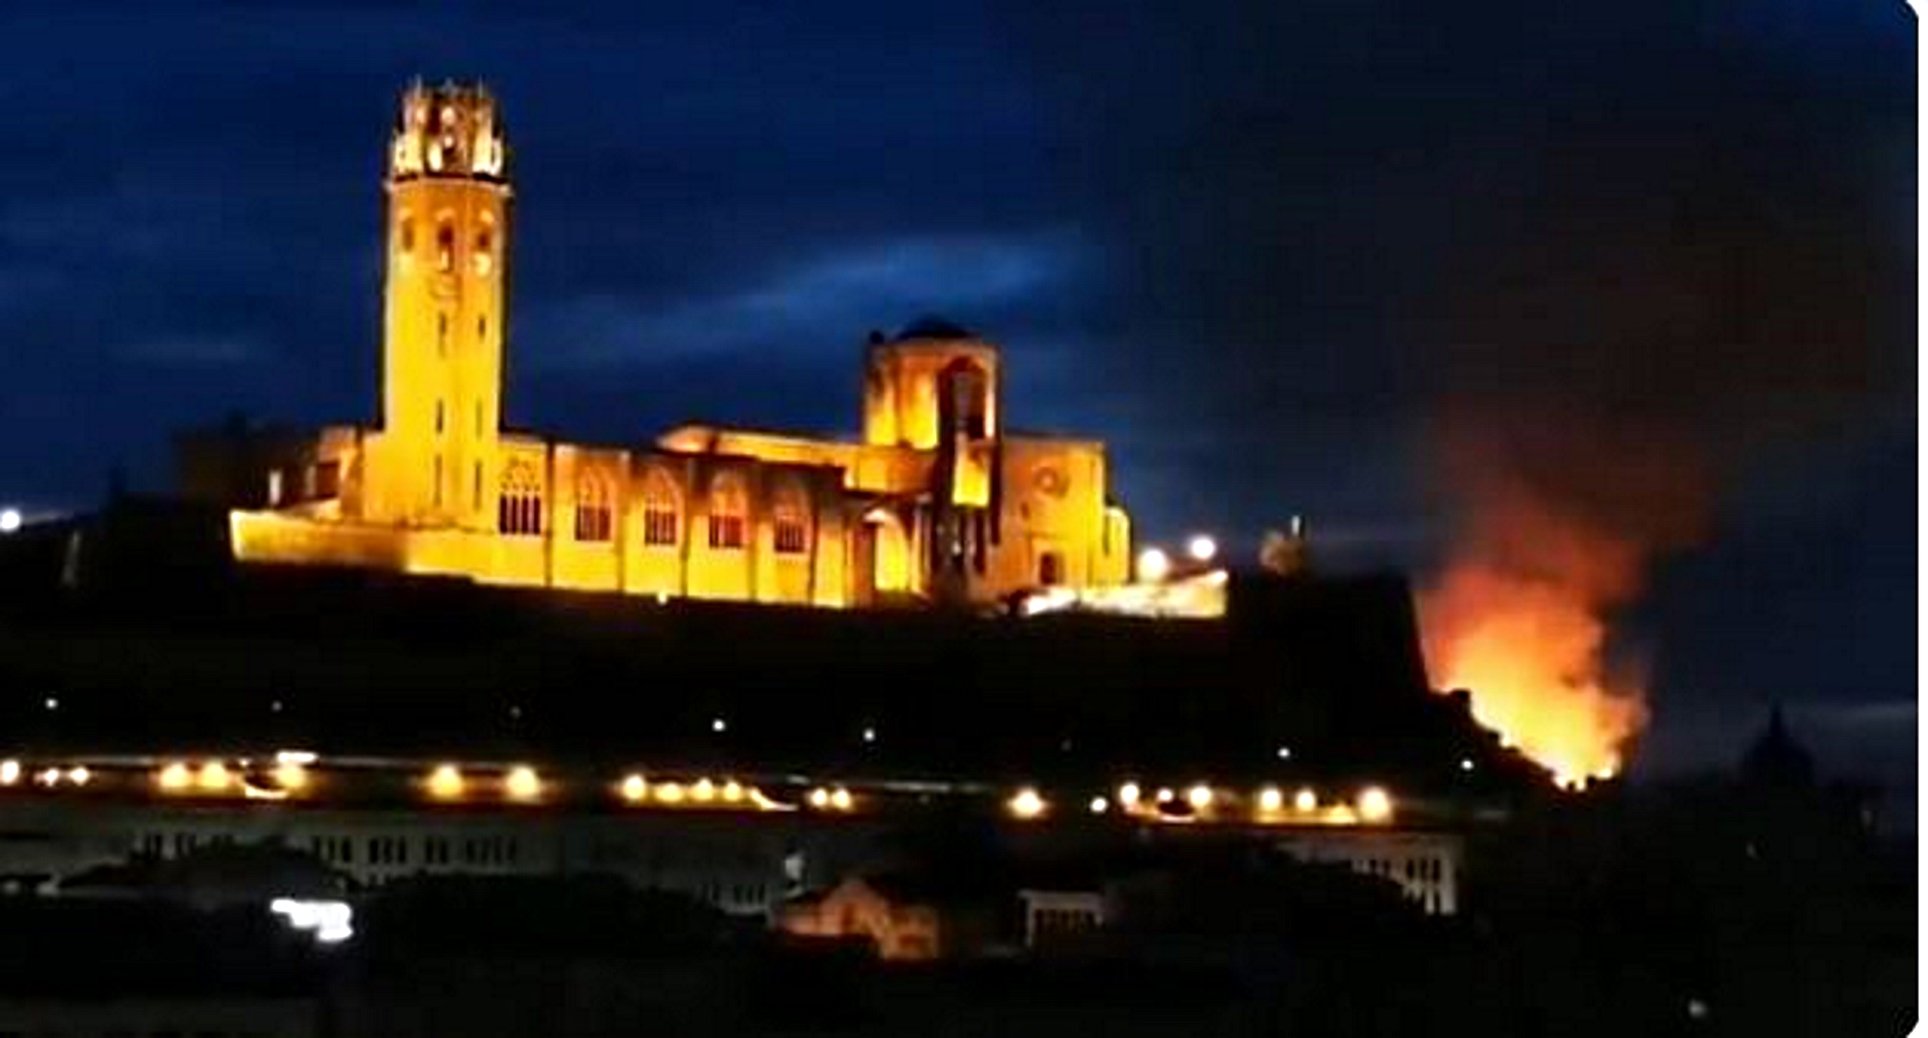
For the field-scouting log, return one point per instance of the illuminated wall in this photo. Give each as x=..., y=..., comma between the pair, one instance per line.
x=933, y=500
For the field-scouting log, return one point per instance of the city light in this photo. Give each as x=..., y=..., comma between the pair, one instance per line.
x=213, y=777
x=732, y=792
x=48, y=776
x=702, y=791
x=1099, y=805
x=9, y=772
x=51, y=703
x=840, y=799
x=79, y=775
x=1466, y=764
x=635, y=789
x=291, y=775
x=522, y=783
x=1374, y=804
x=870, y=734
x=819, y=798
x=1154, y=565
x=1285, y=753
x=719, y=725
x=669, y=792
x=10, y=520
x=1201, y=548
x=445, y=782
x=175, y=777
x=330, y=921
x=1199, y=796
x=1305, y=800
x=1128, y=795
x=1165, y=795
x=1026, y=804
x=1270, y=799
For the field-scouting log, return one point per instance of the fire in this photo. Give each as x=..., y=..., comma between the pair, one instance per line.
x=1521, y=617
x=1532, y=653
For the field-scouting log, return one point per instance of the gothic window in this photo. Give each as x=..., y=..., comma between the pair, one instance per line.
x=445, y=247
x=438, y=480
x=729, y=510
x=519, y=508
x=408, y=236
x=592, y=509
x=791, y=520
x=441, y=335
x=440, y=417
x=659, y=508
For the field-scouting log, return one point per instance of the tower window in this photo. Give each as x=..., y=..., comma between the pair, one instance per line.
x=478, y=418
x=519, y=509
x=791, y=529
x=659, y=509
x=445, y=247
x=592, y=509
x=438, y=481
x=439, y=419
x=482, y=327
x=727, y=511
x=475, y=488
x=408, y=236
x=441, y=335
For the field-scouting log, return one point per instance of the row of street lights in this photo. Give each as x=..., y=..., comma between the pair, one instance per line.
x=1155, y=564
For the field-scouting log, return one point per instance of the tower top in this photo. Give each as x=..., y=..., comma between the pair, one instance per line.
x=452, y=130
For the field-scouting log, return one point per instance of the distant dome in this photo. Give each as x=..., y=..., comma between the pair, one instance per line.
x=931, y=326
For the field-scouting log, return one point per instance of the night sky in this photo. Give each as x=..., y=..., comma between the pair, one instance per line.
x=1261, y=249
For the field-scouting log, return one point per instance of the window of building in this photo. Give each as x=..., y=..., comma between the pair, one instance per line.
x=408, y=236
x=482, y=328
x=592, y=509
x=274, y=487
x=445, y=247
x=729, y=509
x=1050, y=569
x=441, y=417
x=475, y=487
x=659, y=508
x=519, y=508
x=441, y=335
x=438, y=480
x=328, y=479
x=790, y=520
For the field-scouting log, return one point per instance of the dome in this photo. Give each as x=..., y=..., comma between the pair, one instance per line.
x=931, y=326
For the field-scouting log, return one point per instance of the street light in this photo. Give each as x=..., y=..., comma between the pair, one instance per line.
x=1154, y=565
x=1201, y=548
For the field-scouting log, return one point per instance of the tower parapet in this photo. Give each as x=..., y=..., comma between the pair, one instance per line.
x=448, y=131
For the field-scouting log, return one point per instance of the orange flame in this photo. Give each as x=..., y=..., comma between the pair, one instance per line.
x=1520, y=618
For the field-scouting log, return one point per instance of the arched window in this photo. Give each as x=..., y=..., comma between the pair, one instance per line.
x=966, y=398
x=592, y=508
x=660, y=508
x=408, y=235
x=484, y=253
x=790, y=519
x=445, y=247
x=519, y=508
x=728, y=511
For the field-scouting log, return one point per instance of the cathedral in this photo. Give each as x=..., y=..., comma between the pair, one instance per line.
x=936, y=500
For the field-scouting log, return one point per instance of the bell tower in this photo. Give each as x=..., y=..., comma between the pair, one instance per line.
x=447, y=238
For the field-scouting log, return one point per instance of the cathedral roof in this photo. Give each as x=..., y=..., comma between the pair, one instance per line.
x=931, y=326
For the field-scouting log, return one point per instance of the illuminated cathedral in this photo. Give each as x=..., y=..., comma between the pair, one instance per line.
x=936, y=500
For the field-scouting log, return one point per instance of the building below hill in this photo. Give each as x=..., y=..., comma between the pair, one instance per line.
x=938, y=498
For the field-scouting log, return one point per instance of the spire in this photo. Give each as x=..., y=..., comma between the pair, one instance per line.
x=1775, y=758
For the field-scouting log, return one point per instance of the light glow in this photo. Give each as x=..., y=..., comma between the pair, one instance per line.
x=10, y=520
x=1026, y=804
x=9, y=772
x=732, y=792
x=332, y=922
x=291, y=776
x=79, y=775
x=669, y=792
x=213, y=777
x=1375, y=805
x=1154, y=565
x=446, y=782
x=1305, y=800
x=175, y=777
x=635, y=789
x=1165, y=795
x=1201, y=548
x=840, y=799
x=1270, y=799
x=522, y=783
x=820, y=798
x=1199, y=796
x=1128, y=795
x=1099, y=805
x=702, y=791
